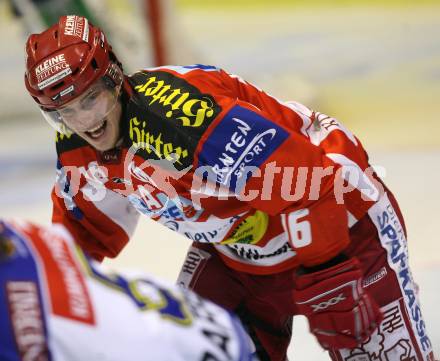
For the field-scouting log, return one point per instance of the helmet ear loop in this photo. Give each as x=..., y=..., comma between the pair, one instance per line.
x=113, y=76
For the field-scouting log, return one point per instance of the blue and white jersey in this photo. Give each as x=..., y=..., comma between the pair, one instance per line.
x=57, y=304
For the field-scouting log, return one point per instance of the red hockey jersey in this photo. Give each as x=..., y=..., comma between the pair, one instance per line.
x=272, y=184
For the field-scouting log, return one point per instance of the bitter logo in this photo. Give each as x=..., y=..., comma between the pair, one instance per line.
x=178, y=104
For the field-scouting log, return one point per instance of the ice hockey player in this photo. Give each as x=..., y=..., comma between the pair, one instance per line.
x=286, y=215
x=57, y=304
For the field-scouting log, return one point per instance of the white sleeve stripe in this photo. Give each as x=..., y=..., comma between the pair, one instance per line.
x=119, y=210
x=357, y=178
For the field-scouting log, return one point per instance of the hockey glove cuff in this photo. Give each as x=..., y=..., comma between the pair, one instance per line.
x=340, y=312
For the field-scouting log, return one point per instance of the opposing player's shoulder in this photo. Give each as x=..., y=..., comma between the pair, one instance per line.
x=16, y=232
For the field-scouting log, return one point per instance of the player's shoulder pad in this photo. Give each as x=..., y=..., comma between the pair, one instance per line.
x=182, y=69
x=169, y=112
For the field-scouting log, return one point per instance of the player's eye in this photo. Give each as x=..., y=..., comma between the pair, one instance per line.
x=90, y=100
x=66, y=113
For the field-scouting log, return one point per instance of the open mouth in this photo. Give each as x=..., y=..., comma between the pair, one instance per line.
x=97, y=131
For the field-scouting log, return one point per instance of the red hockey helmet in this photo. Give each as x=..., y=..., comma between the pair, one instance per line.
x=63, y=61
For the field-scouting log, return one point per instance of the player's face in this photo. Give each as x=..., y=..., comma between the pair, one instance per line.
x=95, y=116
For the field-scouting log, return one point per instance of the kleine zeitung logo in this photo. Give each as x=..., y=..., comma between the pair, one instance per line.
x=52, y=70
x=77, y=26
